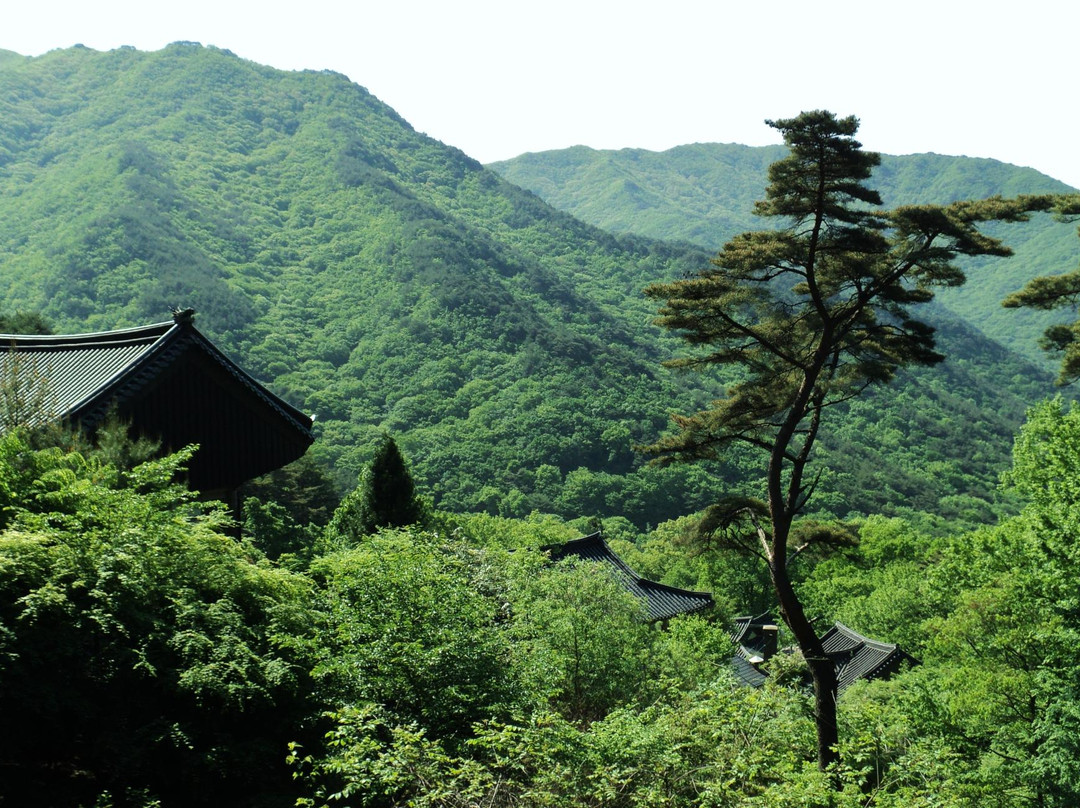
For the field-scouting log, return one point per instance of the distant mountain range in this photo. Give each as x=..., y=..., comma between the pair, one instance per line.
x=387, y=282
x=704, y=194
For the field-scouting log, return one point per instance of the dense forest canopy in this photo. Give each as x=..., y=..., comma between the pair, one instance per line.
x=151, y=659
x=153, y=653
x=385, y=282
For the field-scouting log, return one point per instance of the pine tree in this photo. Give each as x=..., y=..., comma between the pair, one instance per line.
x=384, y=497
x=1062, y=291
x=24, y=322
x=810, y=315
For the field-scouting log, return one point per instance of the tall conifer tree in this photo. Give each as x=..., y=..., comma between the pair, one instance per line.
x=384, y=497
x=810, y=315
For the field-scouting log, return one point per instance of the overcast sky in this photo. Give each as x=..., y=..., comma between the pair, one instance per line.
x=984, y=78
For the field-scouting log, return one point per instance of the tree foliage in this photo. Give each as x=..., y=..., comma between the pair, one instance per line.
x=24, y=322
x=581, y=639
x=812, y=314
x=384, y=497
x=1061, y=291
x=143, y=654
x=148, y=658
x=409, y=626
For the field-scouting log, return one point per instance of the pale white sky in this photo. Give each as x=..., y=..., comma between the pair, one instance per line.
x=983, y=78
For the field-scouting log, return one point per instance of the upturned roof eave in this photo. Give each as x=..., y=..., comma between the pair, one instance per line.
x=167, y=335
x=675, y=590
x=103, y=395
x=89, y=337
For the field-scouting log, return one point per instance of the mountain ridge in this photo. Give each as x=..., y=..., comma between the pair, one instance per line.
x=385, y=282
x=704, y=194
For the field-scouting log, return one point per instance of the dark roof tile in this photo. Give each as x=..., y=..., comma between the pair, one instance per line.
x=662, y=601
x=858, y=657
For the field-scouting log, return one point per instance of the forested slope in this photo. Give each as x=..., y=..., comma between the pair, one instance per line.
x=704, y=193
x=386, y=282
x=372, y=275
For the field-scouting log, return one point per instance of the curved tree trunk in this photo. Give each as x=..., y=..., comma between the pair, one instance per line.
x=822, y=670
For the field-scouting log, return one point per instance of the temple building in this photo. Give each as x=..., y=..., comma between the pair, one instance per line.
x=662, y=602
x=171, y=384
x=854, y=656
x=756, y=638
x=857, y=657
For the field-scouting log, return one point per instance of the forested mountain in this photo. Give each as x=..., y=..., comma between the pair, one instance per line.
x=704, y=193
x=379, y=279
x=152, y=658
x=386, y=282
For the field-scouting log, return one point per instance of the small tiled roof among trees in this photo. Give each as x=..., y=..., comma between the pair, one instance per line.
x=662, y=601
x=858, y=657
x=756, y=638
x=855, y=656
x=171, y=383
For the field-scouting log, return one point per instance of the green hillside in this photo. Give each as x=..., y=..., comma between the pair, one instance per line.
x=704, y=194
x=9, y=56
x=376, y=277
x=387, y=282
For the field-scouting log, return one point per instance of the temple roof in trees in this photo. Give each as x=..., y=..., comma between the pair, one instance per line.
x=858, y=657
x=662, y=601
x=748, y=674
x=756, y=637
x=172, y=384
x=854, y=656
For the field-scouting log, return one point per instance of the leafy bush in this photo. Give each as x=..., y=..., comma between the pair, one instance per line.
x=142, y=650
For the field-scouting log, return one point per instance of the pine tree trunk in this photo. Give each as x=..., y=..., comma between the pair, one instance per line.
x=822, y=670
x=828, y=738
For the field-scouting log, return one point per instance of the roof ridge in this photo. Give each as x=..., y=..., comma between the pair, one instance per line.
x=113, y=335
x=868, y=641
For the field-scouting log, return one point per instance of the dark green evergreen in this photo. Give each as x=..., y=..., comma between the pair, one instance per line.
x=812, y=314
x=389, y=491
x=24, y=322
x=385, y=497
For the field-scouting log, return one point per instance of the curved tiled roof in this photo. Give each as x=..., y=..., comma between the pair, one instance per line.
x=84, y=372
x=172, y=383
x=73, y=369
x=756, y=635
x=746, y=673
x=853, y=655
x=858, y=657
x=756, y=639
x=661, y=601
